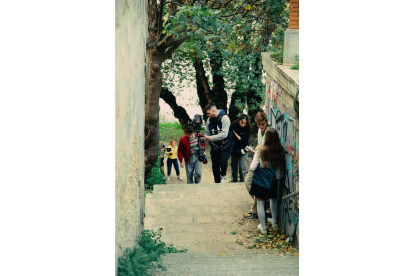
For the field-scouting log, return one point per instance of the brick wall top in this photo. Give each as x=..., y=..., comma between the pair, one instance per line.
x=294, y=14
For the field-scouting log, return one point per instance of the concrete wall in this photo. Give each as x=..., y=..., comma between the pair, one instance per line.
x=130, y=36
x=290, y=46
x=282, y=84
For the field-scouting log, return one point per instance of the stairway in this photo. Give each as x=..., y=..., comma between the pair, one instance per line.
x=207, y=220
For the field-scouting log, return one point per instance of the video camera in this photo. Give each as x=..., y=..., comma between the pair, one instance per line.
x=196, y=124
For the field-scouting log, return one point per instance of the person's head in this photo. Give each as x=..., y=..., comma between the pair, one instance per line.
x=272, y=149
x=189, y=131
x=261, y=121
x=211, y=110
x=243, y=120
x=173, y=143
x=160, y=141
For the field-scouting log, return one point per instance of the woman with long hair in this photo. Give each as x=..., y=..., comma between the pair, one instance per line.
x=172, y=153
x=241, y=129
x=263, y=123
x=269, y=155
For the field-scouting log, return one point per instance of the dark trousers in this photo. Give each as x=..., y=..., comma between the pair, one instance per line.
x=175, y=163
x=219, y=161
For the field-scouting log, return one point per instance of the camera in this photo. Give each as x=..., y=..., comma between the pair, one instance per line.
x=196, y=124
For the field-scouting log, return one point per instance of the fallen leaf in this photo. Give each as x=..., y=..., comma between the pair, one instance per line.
x=222, y=255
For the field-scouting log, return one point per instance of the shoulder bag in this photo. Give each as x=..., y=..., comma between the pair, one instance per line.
x=264, y=177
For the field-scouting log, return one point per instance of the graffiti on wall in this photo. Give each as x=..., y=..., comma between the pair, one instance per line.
x=283, y=119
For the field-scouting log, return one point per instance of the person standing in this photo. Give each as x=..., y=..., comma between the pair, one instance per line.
x=261, y=120
x=241, y=130
x=218, y=133
x=172, y=159
x=270, y=155
x=188, y=148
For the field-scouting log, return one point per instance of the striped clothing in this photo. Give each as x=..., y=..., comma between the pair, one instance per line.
x=193, y=145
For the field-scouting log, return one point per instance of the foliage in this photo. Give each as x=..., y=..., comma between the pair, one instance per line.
x=278, y=55
x=296, y=65
x=237, y=32
x=155, y=176
x=145, y=256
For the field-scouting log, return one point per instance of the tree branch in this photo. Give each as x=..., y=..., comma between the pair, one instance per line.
x=160, y=18
x=165, y=42
x=177, y=44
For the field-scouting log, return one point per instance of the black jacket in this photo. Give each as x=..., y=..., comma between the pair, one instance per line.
x=244, y=134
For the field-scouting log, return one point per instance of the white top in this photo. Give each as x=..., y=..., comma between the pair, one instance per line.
x=258, y=162
x=223, y=132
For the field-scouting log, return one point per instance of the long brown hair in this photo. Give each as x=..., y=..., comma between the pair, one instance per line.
x=272, y=150
x=172, y=142
x=241, y=117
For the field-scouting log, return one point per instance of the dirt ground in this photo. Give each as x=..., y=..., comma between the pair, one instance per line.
x=207, y=174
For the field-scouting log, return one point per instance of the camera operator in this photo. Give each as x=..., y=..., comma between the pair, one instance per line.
x=188, y=148
x=218, y=133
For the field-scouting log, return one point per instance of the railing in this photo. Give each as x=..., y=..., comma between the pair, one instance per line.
x=290, y=195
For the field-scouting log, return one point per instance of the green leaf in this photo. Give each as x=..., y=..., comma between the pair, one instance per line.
x=196, y=19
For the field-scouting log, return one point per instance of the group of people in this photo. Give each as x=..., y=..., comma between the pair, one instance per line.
x=231, y=139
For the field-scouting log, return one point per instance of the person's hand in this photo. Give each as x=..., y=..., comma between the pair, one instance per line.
x=201, y=139
x=182, y=165
x=208, y=138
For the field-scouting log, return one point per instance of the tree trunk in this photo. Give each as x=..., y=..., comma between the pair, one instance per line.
x=255, y=95
x=218, y=93
x=159, y=48
x=203, y=88
x=237, y=104
x=179, y=112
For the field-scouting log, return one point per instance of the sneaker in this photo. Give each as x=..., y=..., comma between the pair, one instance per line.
x=223, y=179
x=261, y=229
x=270, y=221
x=168, y=179
x=179, y=177
x=249, y=215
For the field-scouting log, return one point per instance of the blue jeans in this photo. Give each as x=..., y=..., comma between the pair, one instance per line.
x=169, y=163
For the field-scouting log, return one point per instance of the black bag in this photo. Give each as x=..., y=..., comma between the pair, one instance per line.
x=264, y=178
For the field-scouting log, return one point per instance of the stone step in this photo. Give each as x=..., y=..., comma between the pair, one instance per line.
x=209, y=186
x=236, y=262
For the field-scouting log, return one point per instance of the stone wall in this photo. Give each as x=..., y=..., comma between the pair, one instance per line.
x=130, y=36
x=282, y=84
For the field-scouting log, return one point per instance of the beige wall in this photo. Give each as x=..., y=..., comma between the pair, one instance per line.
x=130, y=22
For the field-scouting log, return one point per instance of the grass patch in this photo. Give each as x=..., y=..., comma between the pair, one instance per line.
x=145, y=257
x=169, y=131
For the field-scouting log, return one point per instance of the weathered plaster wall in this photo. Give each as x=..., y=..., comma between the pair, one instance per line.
x=130, y=22
x=282, y=85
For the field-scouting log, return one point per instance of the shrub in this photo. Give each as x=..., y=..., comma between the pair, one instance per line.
x=145, y=256
x=296, y=66
x=155, y=176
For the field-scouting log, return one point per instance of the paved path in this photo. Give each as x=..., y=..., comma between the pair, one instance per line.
x=207, y=219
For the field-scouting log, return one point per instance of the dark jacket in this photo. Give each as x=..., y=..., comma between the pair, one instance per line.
x=244, y=134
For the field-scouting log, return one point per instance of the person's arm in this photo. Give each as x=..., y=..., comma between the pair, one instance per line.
x=225, y=126
x=180, y=150
x=255, y=162
x=236, y=135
